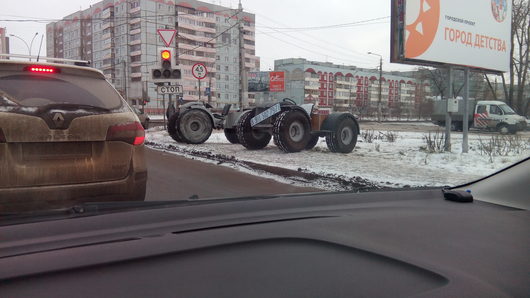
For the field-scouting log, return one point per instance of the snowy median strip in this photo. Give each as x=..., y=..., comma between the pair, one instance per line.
x=377, y=164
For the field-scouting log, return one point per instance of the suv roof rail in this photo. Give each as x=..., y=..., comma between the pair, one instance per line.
x=51, y=59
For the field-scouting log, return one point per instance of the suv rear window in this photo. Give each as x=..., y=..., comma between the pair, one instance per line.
x=39, y=90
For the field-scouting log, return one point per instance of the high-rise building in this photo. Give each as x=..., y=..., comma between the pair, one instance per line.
x=4, y=42
x=120, y=38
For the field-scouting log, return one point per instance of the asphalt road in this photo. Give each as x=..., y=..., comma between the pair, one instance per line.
x=172, y=177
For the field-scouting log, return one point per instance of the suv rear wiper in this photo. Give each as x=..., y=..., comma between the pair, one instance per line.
x=72, y=106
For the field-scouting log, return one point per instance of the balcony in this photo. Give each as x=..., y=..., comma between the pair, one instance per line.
x=136, y=75
x=136, y=53
x=106, y=36
x=135, y=42
x=106, y=66
x=249, y=47
x=107, y=25
x=135, y=20
x=135, y=10
x=135, y=31
x=196, y=58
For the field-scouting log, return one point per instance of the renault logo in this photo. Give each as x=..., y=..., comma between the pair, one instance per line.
x=58, y=119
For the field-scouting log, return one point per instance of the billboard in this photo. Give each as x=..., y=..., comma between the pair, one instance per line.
x=265, y=81
x=473, y=33
x=277, y=81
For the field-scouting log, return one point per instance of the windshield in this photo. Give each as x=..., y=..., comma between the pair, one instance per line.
x=277, y=97
x=507, y=110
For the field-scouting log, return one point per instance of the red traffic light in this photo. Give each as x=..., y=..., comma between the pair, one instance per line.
x=165, y=54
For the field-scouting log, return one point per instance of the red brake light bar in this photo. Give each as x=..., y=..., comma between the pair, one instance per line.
x=42, y=69
x=132, y=133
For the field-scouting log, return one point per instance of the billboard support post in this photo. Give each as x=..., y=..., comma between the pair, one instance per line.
x=447, y=145
x=465, y=125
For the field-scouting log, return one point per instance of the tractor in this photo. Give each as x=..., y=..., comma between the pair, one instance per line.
x=294, y=128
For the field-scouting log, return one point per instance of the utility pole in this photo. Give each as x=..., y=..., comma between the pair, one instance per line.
x=242, y=75
x=379, y=113
x=380, y=87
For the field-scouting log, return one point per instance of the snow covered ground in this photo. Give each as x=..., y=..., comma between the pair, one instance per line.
x=387, y=164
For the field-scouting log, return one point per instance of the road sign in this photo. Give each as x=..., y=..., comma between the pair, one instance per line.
x=167, y=35
x=172, y=89
x=199, y=71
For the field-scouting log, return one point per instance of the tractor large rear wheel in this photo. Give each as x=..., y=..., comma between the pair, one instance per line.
x=172, y=127
x=250, y=138
x=195, y=126
x=291, y=131
x=343, y=135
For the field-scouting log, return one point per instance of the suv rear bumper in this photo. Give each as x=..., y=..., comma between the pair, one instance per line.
x=131, y=188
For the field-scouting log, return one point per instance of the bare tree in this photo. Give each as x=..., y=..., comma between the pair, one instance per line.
x=515, y=90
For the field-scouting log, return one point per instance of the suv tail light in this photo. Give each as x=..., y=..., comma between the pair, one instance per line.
x=2, y=136
x=132, y=133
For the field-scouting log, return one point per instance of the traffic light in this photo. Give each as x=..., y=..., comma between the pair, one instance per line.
x=168, y=71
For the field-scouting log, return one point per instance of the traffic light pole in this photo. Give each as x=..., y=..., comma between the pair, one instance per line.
x=164, y=110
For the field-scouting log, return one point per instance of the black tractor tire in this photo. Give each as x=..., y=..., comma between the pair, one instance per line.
x=344, y=133
x=291, y=131
x=231, y=135
x=172, y=128
x=312, y=142
x=195, y=126
x=250, y=138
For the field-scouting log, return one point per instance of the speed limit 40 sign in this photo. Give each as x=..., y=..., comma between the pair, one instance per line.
x=199, y=71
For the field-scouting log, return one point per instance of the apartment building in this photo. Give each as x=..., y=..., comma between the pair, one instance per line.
x=120, y=38
x=349, y=88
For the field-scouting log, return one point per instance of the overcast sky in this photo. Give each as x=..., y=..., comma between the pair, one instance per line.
x=281, y=28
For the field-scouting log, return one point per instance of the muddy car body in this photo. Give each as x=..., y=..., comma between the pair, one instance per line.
x=66, y=135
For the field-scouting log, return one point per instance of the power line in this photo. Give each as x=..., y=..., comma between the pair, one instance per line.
x=311, y=43
x=312, y=51
x=343, y=25
x=357, y=25
x=337, y=46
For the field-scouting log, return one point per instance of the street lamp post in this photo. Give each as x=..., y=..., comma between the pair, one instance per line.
x=380, y=85
x=28, y=46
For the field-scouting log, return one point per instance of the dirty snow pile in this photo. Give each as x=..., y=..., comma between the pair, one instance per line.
x=402, y=163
